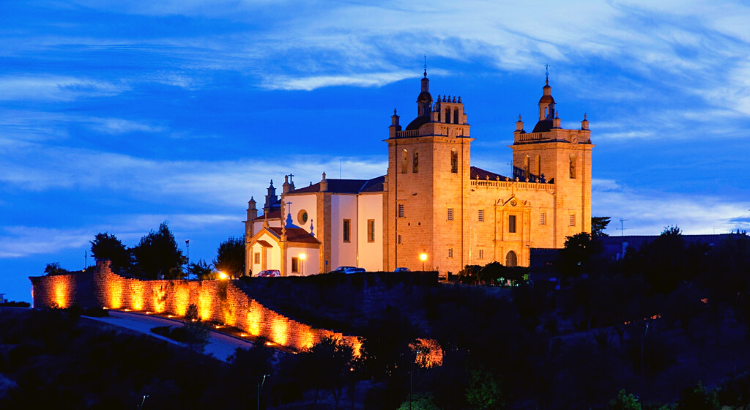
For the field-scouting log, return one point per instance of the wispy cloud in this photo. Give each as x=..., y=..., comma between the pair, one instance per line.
x=357, y=80
x=55, y=88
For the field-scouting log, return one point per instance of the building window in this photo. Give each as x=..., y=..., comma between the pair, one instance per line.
x=572, y=166
x=511, y=260
x=257, y=257
x=302, y=217
x=347, y=230
x=450, y=252
x=295, y=264
x=480, y=216
x=572, y=219
x=454, y=161
x=455, y=116
x=450, y=214
x=447, y=115
x=370, y=230
x=400, y=210
x=543, y=219
x=404, y=161
x=512, y=223
x=399, y=239
x=481, y=254
x=415, y=165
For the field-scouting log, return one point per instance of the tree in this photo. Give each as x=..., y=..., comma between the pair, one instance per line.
x=197, y=333
x=203, y=270
x=485, y=390
x=624, y=401
x=157, y=255
x=108, y=247
x=598, y=225
x=574, y=259
x=230, y=257
x=698, y=398
x=331, y=360
x=54, y=268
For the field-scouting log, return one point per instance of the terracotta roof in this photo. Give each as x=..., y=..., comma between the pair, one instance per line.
x=346, y=186
x=275, y=214
x=295, y=235
x=264, y=243
x=482, y=174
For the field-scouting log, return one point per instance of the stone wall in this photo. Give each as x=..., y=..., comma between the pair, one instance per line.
x=219, y=301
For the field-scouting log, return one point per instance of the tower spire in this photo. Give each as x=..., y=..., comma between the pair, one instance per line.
x=425, y=65
x=546, y=73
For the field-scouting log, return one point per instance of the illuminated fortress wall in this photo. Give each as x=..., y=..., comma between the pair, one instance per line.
x=219, y=301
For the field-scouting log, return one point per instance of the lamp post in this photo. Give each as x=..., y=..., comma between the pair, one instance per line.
x=187, y=245
x=423, y=257
x=302, y=257
x=260, y=385
x=411, y=375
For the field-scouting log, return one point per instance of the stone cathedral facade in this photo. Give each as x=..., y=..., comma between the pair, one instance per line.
x=432, y=201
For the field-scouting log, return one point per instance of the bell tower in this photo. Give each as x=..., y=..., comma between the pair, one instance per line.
x=550, y=154
x=428, y=173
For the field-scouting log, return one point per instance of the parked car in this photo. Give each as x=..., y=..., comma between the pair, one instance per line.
x=269, y=274
x=342, y=269
x=402, y=269
x=354, y=270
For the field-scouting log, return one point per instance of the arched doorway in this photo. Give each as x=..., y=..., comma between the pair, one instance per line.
x=511, y=260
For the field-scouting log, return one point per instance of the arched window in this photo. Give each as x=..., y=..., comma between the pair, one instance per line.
x=447, y=115
x=454, y=161
x=572, y=166
x=511, y=260
x=538, y=165
x=404, y=161
x=527, y=167
x=545, y=112
x=415, y=164
x=455, y=116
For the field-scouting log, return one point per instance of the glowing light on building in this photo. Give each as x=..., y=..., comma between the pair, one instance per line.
x=114, y=288
x=159, y=299
x=205, y=310
x=222, y=275
x=60, y=288
x=254, y=319
x=280, y=330
x=136, y=295
x=181, y=300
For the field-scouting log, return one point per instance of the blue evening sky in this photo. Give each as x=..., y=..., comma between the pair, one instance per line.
x=118, y=115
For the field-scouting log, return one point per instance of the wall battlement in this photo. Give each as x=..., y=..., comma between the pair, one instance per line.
x=219, y=301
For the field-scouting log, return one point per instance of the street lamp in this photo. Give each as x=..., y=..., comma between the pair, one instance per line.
x=260, y=385
x=222, y=275
x=187, y=245
x=423, y=257
x=302, y=257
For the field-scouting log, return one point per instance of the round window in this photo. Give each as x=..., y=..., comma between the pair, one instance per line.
x=302, y=217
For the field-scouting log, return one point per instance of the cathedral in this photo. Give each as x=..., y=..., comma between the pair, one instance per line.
x=432, y=208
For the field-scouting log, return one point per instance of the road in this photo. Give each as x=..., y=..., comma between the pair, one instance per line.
x=220, y=345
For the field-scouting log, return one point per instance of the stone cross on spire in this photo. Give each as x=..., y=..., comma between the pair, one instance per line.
x=425, y=65
x=546, y=72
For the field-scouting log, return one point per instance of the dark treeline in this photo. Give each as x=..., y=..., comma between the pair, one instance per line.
x=157, y=255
